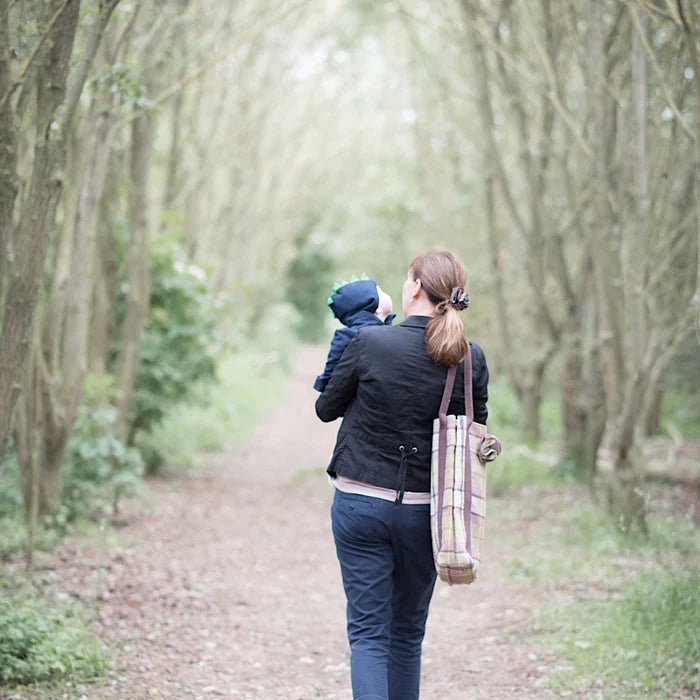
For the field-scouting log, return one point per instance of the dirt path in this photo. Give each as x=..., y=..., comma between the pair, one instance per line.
x=229, y=586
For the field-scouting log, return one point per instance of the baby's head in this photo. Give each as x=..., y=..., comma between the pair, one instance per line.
x=359, y=296
x=384, y=308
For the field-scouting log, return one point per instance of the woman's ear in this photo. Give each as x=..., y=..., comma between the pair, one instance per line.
x=417, y=286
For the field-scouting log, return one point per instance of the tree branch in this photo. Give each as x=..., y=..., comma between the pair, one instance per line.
x=17, y=80
x=78, y=76
x=663, y=78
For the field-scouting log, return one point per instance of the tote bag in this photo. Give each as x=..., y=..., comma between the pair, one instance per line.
x=458, y=485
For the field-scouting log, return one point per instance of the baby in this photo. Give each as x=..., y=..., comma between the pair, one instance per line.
x=358, y=303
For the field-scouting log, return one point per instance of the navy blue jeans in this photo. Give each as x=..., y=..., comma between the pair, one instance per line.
x=386, y=561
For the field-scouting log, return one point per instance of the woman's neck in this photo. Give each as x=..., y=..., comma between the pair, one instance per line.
x=421, y=307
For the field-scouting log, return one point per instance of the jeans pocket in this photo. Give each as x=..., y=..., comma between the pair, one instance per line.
x=354, y=501
x=353, y=515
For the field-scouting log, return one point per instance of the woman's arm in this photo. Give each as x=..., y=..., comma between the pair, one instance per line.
x=341, y=388
x=480, y=384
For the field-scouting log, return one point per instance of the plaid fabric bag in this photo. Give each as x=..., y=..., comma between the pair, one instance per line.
x=458, y=485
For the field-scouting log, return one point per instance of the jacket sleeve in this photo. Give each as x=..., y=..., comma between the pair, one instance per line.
x=480, y=384
x=340, y=341
x=342, y=386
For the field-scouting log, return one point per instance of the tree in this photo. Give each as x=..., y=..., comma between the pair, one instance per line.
x=26, y=243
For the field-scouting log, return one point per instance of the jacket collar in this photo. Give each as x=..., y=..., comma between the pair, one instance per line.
x=416, y=321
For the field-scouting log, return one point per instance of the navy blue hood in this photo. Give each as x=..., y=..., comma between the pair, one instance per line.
x=358, y=297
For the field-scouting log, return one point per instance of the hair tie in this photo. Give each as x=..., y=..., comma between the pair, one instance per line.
x=459, y=298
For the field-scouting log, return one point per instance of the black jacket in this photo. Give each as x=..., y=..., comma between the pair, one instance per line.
x=388, y=391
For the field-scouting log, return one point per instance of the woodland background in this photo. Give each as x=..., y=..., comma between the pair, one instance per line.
x=182, y=182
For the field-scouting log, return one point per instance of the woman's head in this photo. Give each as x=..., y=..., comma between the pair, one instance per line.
x=435, y=286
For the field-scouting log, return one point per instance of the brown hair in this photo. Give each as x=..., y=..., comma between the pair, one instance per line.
x=439, y=272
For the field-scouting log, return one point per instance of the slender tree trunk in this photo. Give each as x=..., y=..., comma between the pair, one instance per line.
x=571, y=396
x=106, y=280
x=8, y=160
x=29, y=415
x=101, y=311
x=530, y=401
x=691, y=31
x=593, y=392
x=651, y=412
x=602, y=252
x=76, y=335
x=635, y=343
x=173, y=184
x=137, y=266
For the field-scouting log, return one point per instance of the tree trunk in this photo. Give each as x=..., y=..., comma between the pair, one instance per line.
x=37, y=217
x=76, y=334
x=173, y=184
x=101, y=310
x=600, y=245
x=8, y=159
x=571, y=397
x=593, y=392
x=627, y=503
x=61, y=376
x=142, y=137
x=690, y=28
x=530, y=399
x=651, y=412
x=40, y=459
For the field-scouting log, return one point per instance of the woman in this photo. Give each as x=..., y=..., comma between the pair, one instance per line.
x=387, y=387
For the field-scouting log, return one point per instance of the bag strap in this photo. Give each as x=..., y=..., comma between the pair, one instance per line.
x=468, y=394
x=442, y=438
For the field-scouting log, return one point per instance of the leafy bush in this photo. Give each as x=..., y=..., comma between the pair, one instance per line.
x=99, y=469
x=179, y=343
x=38, y=642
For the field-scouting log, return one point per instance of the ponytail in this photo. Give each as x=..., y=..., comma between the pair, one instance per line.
x=444, y=338
x=440, y=273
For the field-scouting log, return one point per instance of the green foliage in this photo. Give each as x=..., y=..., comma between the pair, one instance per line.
x=249, y=382
x=39, y=642
x=124, y=81
x=645, y=643
x=523, y=462
x=99, y=468
x=179, y=343
x=308, y=285
x=680, y=413
x=680, y=408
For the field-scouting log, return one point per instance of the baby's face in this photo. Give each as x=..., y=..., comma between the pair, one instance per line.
x=385, y=307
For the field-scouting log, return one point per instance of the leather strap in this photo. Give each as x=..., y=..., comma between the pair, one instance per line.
x=442, y=439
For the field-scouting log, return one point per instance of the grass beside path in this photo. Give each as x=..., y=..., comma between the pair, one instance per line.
x=623, y=611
